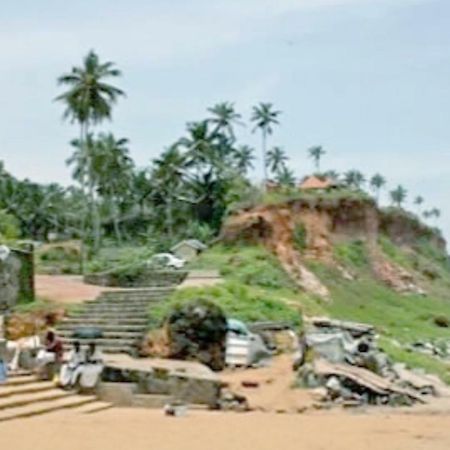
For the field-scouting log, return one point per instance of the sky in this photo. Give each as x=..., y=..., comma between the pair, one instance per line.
x=369, y=80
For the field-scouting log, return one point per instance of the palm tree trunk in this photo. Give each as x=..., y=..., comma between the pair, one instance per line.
x=116, y=219
x=169, y=213
x=264, y=153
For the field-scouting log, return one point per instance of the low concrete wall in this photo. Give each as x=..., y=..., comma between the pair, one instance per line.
x=120, y=385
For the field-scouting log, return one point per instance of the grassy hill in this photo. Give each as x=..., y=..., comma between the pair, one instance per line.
x=257, y=288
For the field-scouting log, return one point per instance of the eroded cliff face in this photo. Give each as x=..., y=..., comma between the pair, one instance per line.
x=322, y=225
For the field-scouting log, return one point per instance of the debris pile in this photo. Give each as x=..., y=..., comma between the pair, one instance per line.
x=439, y=349
x=344, y=365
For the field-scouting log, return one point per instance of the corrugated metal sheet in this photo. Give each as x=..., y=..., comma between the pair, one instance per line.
x=237, y=351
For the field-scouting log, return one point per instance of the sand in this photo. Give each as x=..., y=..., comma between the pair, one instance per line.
x=139, y=429
x=66, y=289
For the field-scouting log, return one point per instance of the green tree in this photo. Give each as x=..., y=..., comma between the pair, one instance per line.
x=316, y=153
x=264, y=118
x=224, y=117
x=113, y=167
x=377, y=182
x=354, y=179
x=418, y=201
x=276, y=159
x=285, y=177
x=88, y=101
x=244, y=156
x=398, y=196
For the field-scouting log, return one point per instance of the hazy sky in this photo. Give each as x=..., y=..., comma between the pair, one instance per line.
x=367, y=79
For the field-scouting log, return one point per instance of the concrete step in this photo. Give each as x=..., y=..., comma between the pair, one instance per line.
x=18, y=400
x=25, y=388
x=109, y=314
x=43, y=407
x=94, y=407
x=17, y=380
x=124, y=302
x=139, y=291
x=103, y=342
x=104, y=327
x=101, y=309
x=107, y=334
x=119, y=321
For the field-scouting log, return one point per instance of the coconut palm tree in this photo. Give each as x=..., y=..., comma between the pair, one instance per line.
x=264, y=118
x=354, y=179
x=418, y=201
x=276, y=159
x=398, y=196
x=316, y=153
x=114, y=169
x=224, y=117
x=244, y=157
x=89, y=101
x=377, y=182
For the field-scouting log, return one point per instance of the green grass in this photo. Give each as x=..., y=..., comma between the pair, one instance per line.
x=237, y=300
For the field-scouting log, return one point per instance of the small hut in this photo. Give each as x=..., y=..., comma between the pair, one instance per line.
x=188, y=249
x=313, y=182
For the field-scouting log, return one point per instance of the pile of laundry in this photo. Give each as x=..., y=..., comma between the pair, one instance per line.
x=344, y=364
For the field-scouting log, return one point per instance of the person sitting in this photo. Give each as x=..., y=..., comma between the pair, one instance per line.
x=88, y=373
x=68, y=372
x=49, y=358
x=15, y=349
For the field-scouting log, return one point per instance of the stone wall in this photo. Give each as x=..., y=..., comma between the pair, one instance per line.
x=16, y=279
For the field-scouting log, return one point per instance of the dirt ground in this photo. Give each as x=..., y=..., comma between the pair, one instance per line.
x=141, y=429
x=65, y=289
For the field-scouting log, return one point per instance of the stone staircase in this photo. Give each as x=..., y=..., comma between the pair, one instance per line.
x=121, y=315
x=23, y=396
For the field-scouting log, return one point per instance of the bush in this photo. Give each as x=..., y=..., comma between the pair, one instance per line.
x=197, y=330
x=9, y=227
x=442, y=321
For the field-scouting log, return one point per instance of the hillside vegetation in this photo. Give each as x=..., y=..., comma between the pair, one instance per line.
x=257, y=288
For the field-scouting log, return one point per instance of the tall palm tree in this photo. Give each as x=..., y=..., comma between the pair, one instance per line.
x=89, y=101
x=418, y=201
x=276, y=159
x=224, y=117
x=244, y=157
x=114, y=173
x=354, y=179
x=316, y=153
x=264, y=117
x=398, y=196
x=377, y=182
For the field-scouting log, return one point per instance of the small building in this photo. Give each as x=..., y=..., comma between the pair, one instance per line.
x=313, y=182
x=188, y=249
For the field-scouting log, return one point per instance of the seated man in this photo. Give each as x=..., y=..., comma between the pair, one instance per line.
x=68, y=374
x=51, y=355
x=88, y=373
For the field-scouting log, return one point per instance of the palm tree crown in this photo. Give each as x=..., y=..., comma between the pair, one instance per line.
x=224, y=117
x=316, y=153
x=276, y=159
x=89, y=98
x=264, y=118
x=398, y=196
